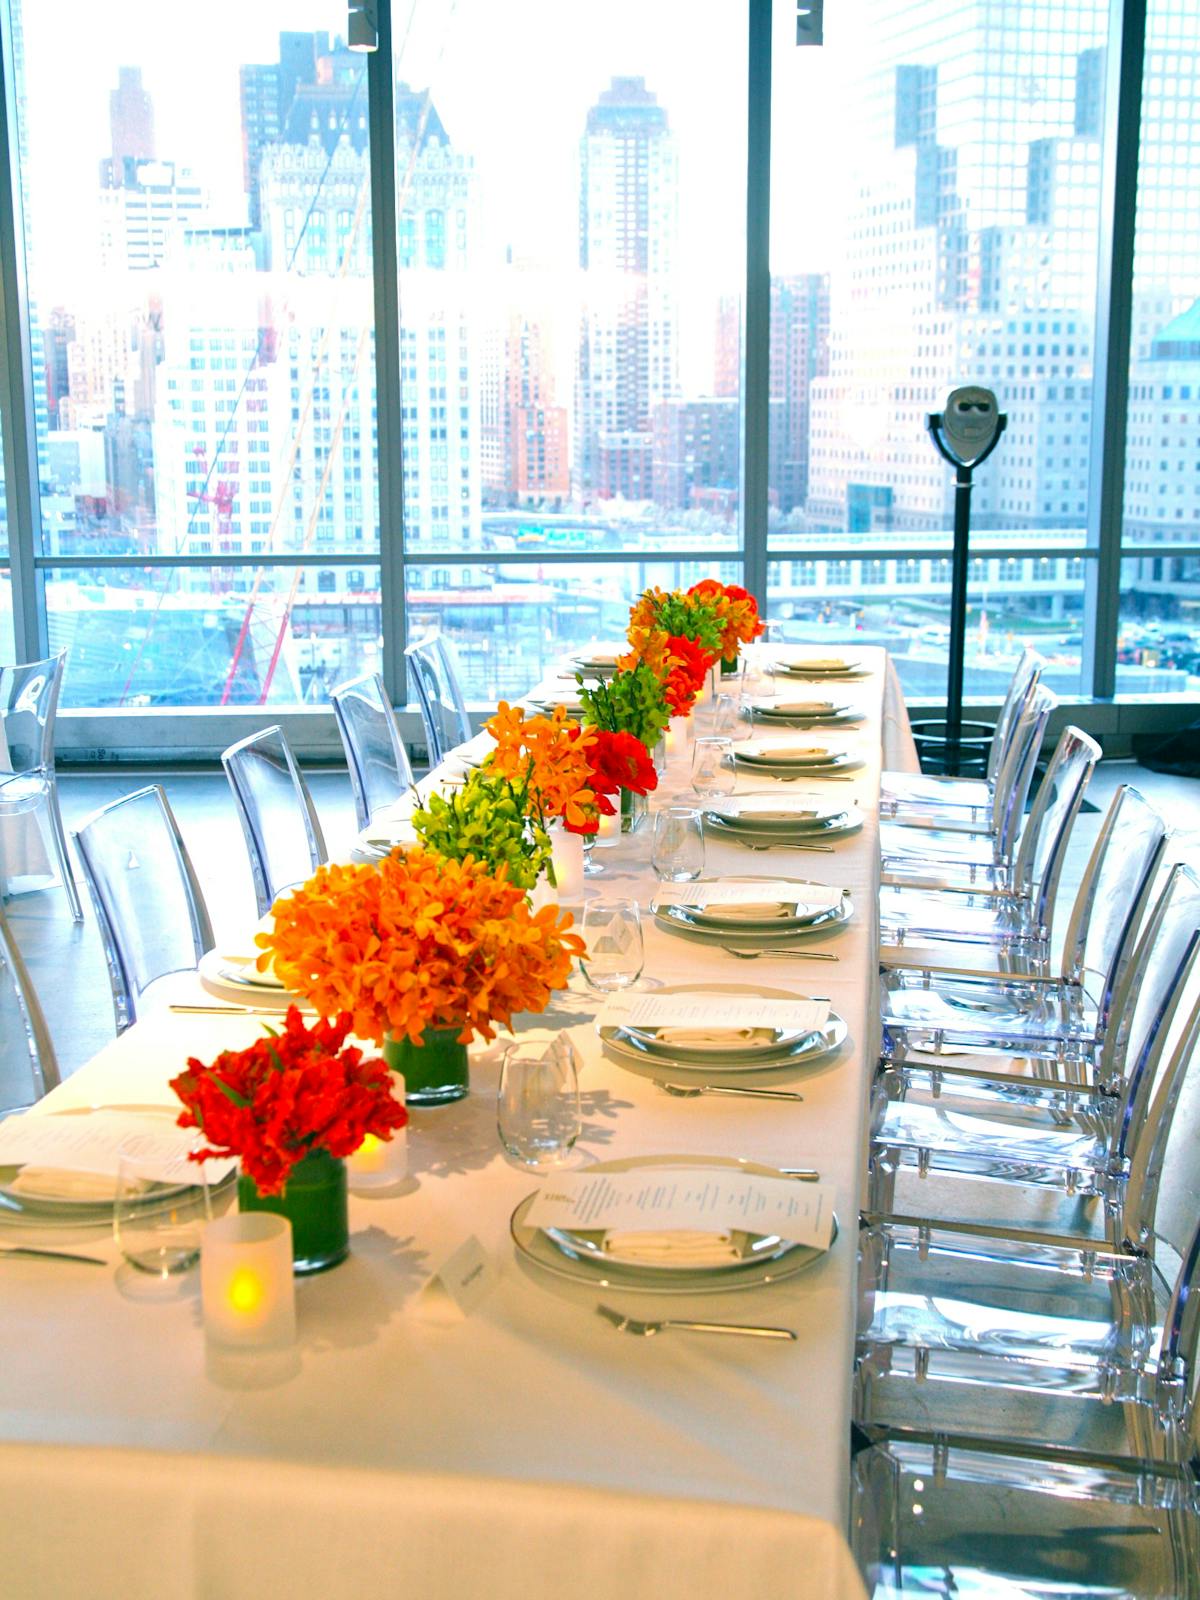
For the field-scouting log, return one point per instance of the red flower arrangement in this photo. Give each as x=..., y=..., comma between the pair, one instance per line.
x=287, y=1095
x=690, y=664
x=619, y=761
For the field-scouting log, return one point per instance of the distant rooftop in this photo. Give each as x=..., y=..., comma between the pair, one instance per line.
x=1180, y=339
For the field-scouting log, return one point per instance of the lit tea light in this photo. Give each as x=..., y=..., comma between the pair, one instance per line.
x=678, y=741
x=246, y=1285
x=608, y=829
x=566, y=856
x=379, y=1162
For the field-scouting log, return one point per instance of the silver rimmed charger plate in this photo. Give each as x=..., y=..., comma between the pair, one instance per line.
x=596, y=1271
x=743, y=1059
x=814, y=1047
x=806, y=719
x=821, y=817
x=49, y=1211
x=676, y=919
x=717, y=915
x=801, y=672
x=768, y=764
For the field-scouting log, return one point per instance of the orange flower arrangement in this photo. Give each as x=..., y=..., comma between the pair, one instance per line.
x=417, y=941
x=549, y=756
x=737, y=613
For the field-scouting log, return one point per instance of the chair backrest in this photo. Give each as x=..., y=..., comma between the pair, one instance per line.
x=1025, y=678
x=280, y=824
x=439, y=690
x=1047, y=830
x=1157, y=969
x=26, y=1051
x=1162, y=1199
x=379, y=767
x=1016, y=774
x=28, y=704
x=148, y=901
x=1115, y=889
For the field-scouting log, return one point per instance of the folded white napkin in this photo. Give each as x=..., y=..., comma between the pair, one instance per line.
x=820, y=664
x=600, y=658
x=763, y=814
x=55, y=1183
x=804, y=708
x=789, y=752
x=672, y=1246
x=751, y=912
x=718, y=1038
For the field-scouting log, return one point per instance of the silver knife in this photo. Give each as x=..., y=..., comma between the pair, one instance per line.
x=50, y=1255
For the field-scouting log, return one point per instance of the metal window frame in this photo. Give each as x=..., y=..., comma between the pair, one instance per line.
x=1102, y=550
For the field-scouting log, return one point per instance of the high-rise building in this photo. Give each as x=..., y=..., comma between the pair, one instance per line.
x=523, y=431
x=697, y=448
x=142, y=220
x=628, y=241
x=971, y=257
x=799, y=353
x=131, y=121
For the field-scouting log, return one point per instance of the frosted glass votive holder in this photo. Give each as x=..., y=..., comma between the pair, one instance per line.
x=380, y=1162
x=566, y=855
x=247, y=1288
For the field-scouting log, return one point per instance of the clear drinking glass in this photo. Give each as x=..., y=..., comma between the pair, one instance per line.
x=677, y=854
x=712, y=766
x=726, y=709
x=537, y=1111
x=158, y=1226
x=612, y=932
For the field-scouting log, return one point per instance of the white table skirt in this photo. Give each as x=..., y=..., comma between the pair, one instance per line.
x=242, y=1530
x=377, y=1404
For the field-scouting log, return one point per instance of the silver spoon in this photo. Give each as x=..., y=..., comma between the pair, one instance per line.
x=827, y=848
x=779, y=950
x=688, y=1092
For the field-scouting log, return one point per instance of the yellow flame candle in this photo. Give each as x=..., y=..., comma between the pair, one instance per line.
x=379, y=1162
x=246, y=1285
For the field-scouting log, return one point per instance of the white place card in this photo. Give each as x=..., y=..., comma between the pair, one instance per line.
x=91, y=1144
x=463, y=1280
x=710, y=1011
x=698, y=1198
x=764, y=892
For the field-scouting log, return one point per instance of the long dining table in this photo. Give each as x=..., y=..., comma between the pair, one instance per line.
x=527, y=1447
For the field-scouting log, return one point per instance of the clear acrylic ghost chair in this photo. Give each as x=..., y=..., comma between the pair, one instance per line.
x=901, y=792
x=439, y=691
x=28, y=706
x=380, y=773
x=1109, y=909
x=1051, y=1346
x=283, y=834
x=928, y=857
x=148, y=901
x=1006, y=1163
x=997, y=932
x=28, y=1066
x=1024, y=911
x=946, y=1519
x=1060, y=1018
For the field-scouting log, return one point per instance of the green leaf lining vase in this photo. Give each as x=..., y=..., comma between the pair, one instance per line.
x=314, y=1201
x=435, y=1071
x=634, y=809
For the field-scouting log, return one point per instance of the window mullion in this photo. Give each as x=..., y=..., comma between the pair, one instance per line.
x=17, y=419
x=1111, y=346
x=389, y=430
x=756, y=366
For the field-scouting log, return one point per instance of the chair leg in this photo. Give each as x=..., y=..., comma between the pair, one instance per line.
x=64, y=859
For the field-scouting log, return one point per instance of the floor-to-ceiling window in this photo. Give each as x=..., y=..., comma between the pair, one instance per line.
x=935, y=212
x=1158, y=640
x=197, y=227
x=570, y=249
x=257, y=476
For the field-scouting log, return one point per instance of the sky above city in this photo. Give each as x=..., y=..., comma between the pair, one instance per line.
x=513, y=97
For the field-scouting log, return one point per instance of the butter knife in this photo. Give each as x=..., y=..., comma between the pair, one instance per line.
x=50, y=1255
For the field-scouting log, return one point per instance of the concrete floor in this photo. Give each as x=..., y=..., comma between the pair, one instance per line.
x=67, y=962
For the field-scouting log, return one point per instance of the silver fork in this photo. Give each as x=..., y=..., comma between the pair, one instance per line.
x=827, y=848
x=689, y=1091
x=779, y=950
x=645, y=1330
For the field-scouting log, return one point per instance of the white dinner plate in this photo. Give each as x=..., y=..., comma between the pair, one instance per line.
x=776, y=1041
x=769, y=755
x=839, y=667
x=813, y=1048
x=242, y=986
x=565, y=1260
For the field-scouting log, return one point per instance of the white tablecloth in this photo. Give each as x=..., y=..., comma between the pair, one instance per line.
x=592, y=1462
